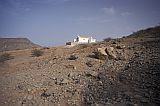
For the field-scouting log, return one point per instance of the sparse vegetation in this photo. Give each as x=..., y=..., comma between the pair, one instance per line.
x=45, y=48
x=37, y=52
x=107, y=39
x=72, y=57
x=121, y=72
x=6, y=56
x=87, y=45
x=152, y=32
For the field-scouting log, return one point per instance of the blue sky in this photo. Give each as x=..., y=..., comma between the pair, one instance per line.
x=54, y=22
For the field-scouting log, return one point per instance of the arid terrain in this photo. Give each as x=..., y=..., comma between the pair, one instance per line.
x=7, y=44
x=129, y=75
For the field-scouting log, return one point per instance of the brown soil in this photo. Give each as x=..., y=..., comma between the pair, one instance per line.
x=54, y=79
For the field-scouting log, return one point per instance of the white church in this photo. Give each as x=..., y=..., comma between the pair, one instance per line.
x=82, y=40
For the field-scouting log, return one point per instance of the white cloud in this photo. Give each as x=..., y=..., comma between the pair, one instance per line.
x=110, y=11
x=84, y=20
x=125, y=14
x=105, y=20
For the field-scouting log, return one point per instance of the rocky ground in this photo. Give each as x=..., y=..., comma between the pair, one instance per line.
x=129, y=75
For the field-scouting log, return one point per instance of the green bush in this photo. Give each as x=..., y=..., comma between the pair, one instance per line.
x=6, y=56
x=107, y=39
x=37, y=53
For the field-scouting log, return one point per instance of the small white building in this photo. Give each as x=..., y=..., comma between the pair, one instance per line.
x=84, y=39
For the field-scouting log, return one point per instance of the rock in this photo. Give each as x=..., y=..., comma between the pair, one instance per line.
x=144, y=100
x=29, y=90
x=71, y=67
x=51, y=62
x=30, y=97
x=62, y=81
x=45, y=94
x=20, y=87
x=110, y=51
x=91, y=73
x=70, y=75
x=65, y=81
x=89, y=64
x=73, y=57
x=101, y=51
x=120, y=46
x=100, y=54
x=114, y=42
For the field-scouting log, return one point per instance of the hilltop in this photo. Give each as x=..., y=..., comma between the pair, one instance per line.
x=128, y=75
x=8, y=44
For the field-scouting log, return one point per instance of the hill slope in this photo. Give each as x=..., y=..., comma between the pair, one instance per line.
x=129, y=75
x=7, y=44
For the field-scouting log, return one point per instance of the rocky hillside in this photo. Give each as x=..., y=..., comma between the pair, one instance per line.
x=7, y=44
x=153, y=32
x=116, y=72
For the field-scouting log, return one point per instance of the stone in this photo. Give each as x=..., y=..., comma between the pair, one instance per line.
x=20, y=87
x=102, y=51
x=89, y=64
x=120, y=46
x=51, y=62
x=110, y=51
x=61, y=81
x=30, y=97
x=44, y=94
x=64, y=81
x=71, y=67
x=92, y=73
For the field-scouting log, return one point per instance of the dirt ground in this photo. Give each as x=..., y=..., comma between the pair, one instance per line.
x=55, y=79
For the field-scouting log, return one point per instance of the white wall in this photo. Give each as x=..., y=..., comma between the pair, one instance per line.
x=80, y=39
x=91, y=40
x=83, y=40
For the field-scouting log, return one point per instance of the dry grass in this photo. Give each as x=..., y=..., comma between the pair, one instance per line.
x=37, y=53
x=5, y=56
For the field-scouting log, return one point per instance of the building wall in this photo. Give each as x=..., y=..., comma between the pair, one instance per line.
x=80, y=39
x=91, y=40
x=83, y=40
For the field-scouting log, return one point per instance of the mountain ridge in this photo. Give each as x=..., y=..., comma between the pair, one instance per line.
x=8, y=44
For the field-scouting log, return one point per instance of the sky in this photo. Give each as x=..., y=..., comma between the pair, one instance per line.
x=54, y=22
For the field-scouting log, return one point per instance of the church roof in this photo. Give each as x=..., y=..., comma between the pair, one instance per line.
x=84, y=36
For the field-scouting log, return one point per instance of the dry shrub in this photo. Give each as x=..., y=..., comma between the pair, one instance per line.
x=72, y=57
x=5, y=56
x=107, y=39
x=37, y=53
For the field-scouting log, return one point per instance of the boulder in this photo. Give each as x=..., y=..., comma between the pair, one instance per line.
x=91, y=74
x=111, y=52
x=102, y=51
